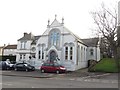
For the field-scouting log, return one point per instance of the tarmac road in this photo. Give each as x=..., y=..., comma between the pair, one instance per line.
x=28, y=82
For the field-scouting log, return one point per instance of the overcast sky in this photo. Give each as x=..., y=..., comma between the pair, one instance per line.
x=19, y=16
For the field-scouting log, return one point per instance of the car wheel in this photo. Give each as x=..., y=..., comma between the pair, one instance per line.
x=15, y=69
x=26, y=70
x=42, y=71
x=33, y=69
x=7, y=68
x=57, y=71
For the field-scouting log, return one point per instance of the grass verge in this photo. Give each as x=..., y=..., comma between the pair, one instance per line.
x=105, y=65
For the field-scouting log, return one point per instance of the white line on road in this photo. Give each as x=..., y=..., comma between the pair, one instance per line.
x=96, y=75
x=8, y=84
x=97, y=80
x=72, y=79
x=5, y=71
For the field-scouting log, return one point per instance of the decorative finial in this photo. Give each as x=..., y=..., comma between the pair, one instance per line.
x=48, y=23
x=55, y=16
x=62, y=20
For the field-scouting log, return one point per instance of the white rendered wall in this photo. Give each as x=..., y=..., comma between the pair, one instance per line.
x=9, y=52
x=26, y=50
x=1, y=50
x=96, y=53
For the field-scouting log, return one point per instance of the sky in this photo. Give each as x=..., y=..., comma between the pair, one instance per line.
x=19, y=16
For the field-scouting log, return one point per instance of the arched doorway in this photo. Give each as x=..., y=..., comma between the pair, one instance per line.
x=52, y=55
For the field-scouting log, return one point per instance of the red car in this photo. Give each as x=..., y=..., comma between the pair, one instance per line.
x=52, y=67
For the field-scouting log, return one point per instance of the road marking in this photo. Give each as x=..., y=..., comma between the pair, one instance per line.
x=72, y=79
x=8, y=84
x=97, y=80
x=49, y=78
x=5, y=71
x=96, y=75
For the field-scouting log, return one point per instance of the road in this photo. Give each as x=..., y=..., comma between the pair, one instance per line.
x=28, y=82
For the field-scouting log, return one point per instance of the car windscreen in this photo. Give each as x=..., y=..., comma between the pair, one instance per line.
x=29, y=65
x=46, y=64
x=56, y=64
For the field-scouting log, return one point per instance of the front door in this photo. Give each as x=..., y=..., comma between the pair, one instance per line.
x=53, y=56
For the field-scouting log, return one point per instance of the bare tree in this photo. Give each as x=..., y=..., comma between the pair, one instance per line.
x=106, y=22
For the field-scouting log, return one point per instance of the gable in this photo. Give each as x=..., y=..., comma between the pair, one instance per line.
x=11, y=47
x=55, y=23
x=63, y=30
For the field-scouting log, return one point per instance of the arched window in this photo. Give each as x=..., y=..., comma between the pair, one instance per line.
x=54, y=37
x=41, y=48
x=71, y=53
x=66, y=53
x=91, y=52
x=39, y=54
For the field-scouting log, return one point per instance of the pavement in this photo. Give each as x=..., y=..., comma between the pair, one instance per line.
x=33, y=74
x=82, y=73
x=80, y=78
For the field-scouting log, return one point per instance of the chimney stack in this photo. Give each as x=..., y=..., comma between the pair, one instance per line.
x=25, y=34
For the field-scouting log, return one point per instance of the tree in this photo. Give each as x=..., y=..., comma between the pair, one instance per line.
x=118, y=35
x=106, y=22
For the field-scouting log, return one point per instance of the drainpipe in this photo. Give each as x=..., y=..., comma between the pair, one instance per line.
x=76, y=52
x=96, y=52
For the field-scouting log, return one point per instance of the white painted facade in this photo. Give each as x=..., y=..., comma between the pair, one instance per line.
x=10, y=52
x=1, y=51
x=95, y=55
x=58, y=43
x=24, y=49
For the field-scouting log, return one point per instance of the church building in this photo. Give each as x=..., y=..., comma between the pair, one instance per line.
x=58, y=44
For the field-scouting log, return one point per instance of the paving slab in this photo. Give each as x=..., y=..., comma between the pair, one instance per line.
x=34, y=74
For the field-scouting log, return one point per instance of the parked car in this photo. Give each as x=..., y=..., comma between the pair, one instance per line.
x=52, y=67
x=23, y=67
x=4, y=65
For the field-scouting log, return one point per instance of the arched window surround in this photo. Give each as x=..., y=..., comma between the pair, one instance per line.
x=69, y=50
x=54, y=37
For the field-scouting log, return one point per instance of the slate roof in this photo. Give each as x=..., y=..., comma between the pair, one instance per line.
x=26, y=37
x=11, y=47
x=91, y=42
x=35, y=39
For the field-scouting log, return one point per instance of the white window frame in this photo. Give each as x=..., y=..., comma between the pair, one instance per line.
x=91, y=52
x=66, y=54
x=71, y=53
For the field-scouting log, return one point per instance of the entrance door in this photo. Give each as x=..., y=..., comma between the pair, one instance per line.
x=53, y=55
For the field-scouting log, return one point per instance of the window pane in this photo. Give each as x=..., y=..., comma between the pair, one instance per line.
x=39, y=56
x=66, y=53
x=42, y=55
x=91, y=52
x=20, y=56
x=24, y=56
x=71, y=53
